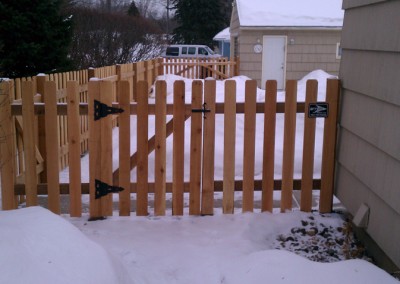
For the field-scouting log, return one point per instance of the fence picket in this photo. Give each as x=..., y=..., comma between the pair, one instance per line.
x=52, y=158
x=229, y=146
x=142, y=149
x=40, y=81
x=289, y=145
x=195, y=149
x=160, y=150
x=28, y=119
x=207, y=194
x=308, y=149
x=249, y=145
x=329, y=146
x=178, y=148
x=7, y=152
x=269, y=146
x=124, y=95
x=94, y=150
x=74, y=157
x=106, y=97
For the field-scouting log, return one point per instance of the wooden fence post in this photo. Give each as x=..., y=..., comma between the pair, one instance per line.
x=7, y=148
x=249, y=145
x=178, y=148
x=229, y=146
x=142, y=149
x=106, y=91
x=124, y=148
x=308, y=149
x=329, y=146
x=51, y=138
x=160, y=150
x=94, y=149
x=29, y=143
x=74, y=138
x=91, y=73
x=207, y=197
x=269, y=146
x=160, y=66
x=40, y=81
x=289, y=145
x=195, y=149
x=135, y=81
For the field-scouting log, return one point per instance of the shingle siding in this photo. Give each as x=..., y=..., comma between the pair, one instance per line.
x=310, y=50
x=368, y=160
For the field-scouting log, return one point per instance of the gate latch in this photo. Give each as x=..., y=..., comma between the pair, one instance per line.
x=203, y=110
x=102, y=110
x=102, y=189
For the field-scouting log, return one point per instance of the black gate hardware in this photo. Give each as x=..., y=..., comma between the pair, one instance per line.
x=102, y=110
x=102, y=189
x=204, y=109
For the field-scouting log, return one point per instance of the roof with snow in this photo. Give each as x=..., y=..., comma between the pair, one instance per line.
x=223, y=35
x=290, y=13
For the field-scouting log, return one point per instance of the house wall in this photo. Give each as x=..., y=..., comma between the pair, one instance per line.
x=368, y=158
x=306, y=51
x=309, y=49
x=234, y=31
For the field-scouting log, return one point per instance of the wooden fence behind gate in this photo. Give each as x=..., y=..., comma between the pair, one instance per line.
x=201, y=186
x=132, y=72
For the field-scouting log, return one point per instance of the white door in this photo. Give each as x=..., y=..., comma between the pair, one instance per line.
x=274, y=60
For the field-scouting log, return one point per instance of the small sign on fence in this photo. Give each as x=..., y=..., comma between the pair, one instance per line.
x=318, y=110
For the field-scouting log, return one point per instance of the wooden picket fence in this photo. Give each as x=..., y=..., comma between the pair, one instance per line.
x=200, y=68
x=133, y=73
x=202, y=185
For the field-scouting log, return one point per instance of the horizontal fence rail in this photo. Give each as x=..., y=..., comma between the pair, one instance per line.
x=133, y=99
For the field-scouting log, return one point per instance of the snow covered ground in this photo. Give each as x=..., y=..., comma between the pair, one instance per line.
x=37, y=246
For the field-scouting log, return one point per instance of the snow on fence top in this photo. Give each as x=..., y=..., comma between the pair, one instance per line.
x=290, y=13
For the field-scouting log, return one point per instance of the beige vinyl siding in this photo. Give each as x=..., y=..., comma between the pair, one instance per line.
x=368, y=160
x=311, y=50
x=234, y=31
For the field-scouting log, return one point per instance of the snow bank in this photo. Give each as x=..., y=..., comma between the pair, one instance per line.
x=274, y=266
x=217, y=249
x=38, y=246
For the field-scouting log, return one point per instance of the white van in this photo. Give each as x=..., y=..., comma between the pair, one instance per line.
x=188, y=51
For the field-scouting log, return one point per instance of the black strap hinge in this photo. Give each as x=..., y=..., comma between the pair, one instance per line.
x=102, y=110
x=102, y=189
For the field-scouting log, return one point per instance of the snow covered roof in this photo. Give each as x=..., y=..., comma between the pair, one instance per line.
x=223, y=35
x=290, y=13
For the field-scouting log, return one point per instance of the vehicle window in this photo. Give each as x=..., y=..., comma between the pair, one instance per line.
x=192, y=50
x=209, y=50
x=184, y=50
x=203, y=51
x=172, y=51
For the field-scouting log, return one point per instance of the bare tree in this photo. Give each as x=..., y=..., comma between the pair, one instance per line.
x=102, y=39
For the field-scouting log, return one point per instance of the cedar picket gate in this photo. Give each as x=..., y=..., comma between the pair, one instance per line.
x=202, y=184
